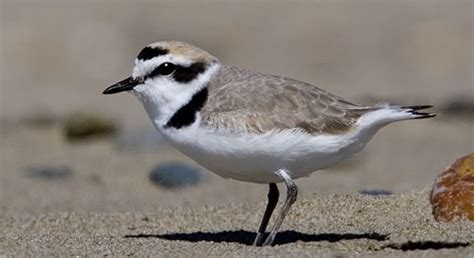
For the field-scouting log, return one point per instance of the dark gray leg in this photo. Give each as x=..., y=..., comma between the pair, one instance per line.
x=292, y=193
x=273, y=195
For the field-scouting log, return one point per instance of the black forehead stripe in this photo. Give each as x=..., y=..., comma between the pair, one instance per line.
x=186, y=115
x=150, y=52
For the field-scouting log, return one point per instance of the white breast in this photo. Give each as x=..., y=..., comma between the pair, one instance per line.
x=256, y=157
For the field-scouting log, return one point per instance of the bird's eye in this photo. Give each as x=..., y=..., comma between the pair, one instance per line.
x=166, y=68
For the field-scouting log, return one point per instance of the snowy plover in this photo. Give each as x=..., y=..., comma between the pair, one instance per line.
x=251, y=126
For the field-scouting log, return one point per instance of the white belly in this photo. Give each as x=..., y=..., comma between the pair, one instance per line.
x=256, y=157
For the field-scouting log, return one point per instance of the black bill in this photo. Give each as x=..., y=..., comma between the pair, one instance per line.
x=124, y=85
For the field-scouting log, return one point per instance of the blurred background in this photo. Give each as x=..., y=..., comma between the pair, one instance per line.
x=65, y=146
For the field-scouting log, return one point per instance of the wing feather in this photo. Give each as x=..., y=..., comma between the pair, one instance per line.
x=245, y=101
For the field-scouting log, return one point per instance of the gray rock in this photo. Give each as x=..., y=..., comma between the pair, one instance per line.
x=175, y=175
x=49, y=172
x=143, y=139
x=461, y=106
x=375, y=192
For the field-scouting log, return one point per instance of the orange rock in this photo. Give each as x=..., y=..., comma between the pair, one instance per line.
x=453, y=193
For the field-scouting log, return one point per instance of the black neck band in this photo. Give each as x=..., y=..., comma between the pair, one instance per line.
x=186, y=115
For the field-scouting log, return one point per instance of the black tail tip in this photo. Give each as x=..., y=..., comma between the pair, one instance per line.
x=417, y=107
x=420, y=115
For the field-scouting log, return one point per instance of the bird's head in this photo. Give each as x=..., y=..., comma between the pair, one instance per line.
x=166, y=76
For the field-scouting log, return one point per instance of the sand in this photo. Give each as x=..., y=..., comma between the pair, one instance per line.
x=319, y=225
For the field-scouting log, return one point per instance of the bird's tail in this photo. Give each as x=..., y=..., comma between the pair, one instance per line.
x=385, y=113
x=416, y=114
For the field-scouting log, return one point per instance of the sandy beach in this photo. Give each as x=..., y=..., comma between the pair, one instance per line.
x=320, y=225
x=60, y=197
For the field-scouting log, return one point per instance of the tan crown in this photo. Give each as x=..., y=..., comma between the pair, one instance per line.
x=179, y=48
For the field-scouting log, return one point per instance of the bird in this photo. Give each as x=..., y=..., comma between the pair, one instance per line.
x=251, y=126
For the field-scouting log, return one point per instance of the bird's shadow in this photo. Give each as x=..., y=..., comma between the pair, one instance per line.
x=247, y=238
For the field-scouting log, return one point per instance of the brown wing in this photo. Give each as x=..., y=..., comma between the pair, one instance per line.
x=245, y=101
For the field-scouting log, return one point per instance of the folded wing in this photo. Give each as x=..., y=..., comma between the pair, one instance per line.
x=245, y=101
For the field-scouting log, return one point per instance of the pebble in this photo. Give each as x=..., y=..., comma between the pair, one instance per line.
x=81, y=126
x=49, y=172
x=459, y=106
x=375, y=192
x=452, y=196
x=175, y=175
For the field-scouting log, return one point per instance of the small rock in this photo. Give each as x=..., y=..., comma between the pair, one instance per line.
x=453, y=192
x=49, y=172
x=141, y=140
x=82, y=126
x=175, y=175
x=459, y=106
x=375, y=192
